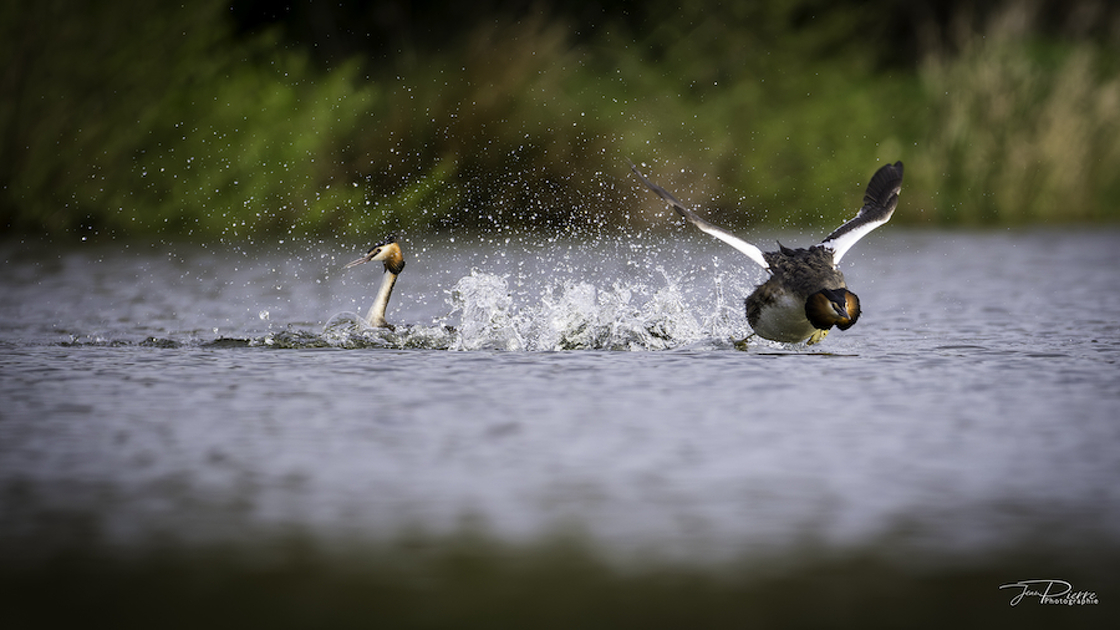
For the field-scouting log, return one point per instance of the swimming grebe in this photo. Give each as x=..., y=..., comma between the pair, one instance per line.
x=805, y=295
x=389, y=253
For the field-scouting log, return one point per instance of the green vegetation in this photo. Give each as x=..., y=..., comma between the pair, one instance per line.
x=470, y=581
x=132, y=117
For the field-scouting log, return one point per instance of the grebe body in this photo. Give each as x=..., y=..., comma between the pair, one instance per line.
x=805, y=295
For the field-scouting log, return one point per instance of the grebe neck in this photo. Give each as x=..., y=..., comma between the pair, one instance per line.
x=376, y=315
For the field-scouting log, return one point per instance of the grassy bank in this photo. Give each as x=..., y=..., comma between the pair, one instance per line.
x=142, y=119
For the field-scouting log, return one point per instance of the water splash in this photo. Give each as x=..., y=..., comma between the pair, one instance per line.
x=578, y=315
x=485, y=313
x=489, y=320
x=600, y=296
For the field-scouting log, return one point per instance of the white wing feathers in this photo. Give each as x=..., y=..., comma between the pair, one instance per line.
x=751, y=251
x=878, y=205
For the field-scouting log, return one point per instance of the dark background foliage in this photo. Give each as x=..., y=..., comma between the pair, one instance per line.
x=223, y=118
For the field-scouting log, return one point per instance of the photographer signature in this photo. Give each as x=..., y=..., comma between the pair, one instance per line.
x=1050, y=592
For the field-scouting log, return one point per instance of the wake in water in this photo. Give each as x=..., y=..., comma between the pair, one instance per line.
x=657, y=313
x=574, y=315
x=634, y=295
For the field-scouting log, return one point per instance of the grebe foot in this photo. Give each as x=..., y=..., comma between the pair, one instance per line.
x=744, y=343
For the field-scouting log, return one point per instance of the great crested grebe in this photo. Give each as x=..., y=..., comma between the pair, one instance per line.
x=389, y=253
x=805, y=295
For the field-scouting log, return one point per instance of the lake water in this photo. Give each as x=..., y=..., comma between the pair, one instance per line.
x=187, y=395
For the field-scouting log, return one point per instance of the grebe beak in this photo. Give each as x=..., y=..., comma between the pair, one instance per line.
x=364, y=259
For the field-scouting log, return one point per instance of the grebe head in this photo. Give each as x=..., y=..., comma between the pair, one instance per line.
x=832, y=307
x=387, y=252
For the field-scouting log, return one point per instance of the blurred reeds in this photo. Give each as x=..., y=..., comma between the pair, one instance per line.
x=128, y=118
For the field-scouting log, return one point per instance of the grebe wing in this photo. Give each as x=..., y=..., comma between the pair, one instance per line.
x=879, y=203
x=753, y=252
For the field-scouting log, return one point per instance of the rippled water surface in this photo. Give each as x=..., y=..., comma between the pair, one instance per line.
x=182, y=392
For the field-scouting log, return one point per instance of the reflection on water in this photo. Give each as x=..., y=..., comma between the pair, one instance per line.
x=183, y=395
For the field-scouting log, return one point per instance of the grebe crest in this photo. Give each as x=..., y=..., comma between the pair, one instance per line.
x=806, y=294
x=388, y=252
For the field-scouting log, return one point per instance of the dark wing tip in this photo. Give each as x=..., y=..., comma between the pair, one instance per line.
x=879, y=203
x=885, y=184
